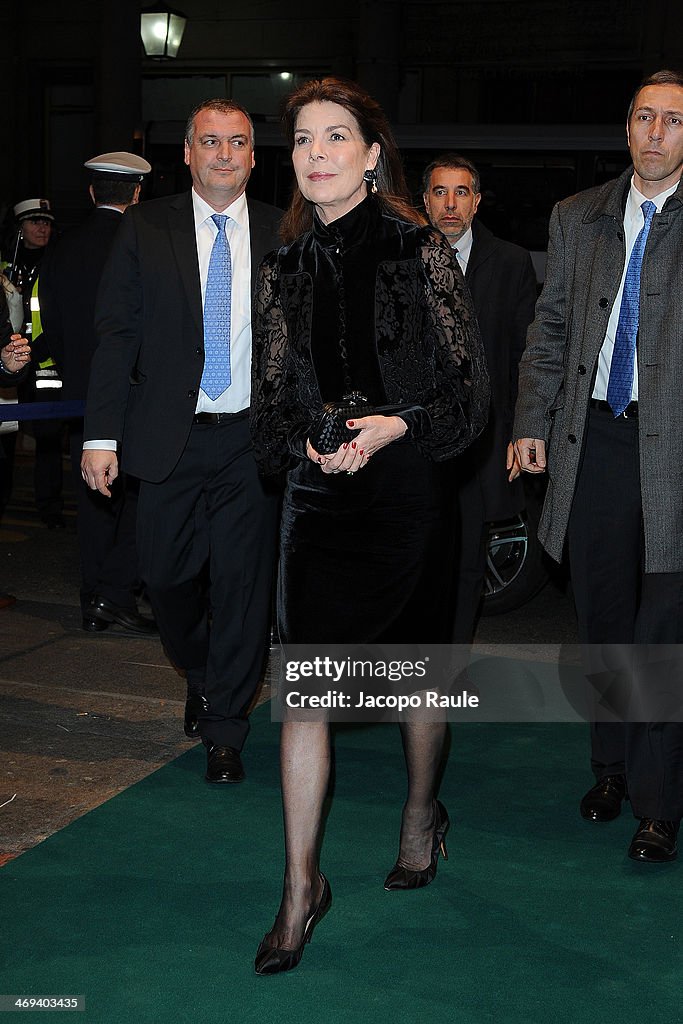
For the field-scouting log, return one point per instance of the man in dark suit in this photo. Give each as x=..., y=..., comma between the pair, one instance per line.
x=502, y=283
x=69, y=279
x=170, y=383
x=600, y=385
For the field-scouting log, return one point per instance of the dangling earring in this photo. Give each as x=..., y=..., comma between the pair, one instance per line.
x=371, y=177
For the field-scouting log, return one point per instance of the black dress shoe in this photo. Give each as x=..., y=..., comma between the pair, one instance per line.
x=223, y=764
x=603, y=801
x=106, y=611
x=654, y=841
x=275, y=960
x=195, y=705
x=93, y=625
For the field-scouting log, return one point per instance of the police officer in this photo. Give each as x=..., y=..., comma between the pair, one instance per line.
x=34, y=231
x=69, y=281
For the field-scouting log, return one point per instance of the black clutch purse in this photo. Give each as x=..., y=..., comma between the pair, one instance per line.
x=330, y=431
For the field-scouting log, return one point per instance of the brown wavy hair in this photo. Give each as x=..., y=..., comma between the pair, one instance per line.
x=392, y=191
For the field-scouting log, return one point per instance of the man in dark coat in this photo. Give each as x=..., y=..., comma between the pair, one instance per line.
x=68, y=285
x=502, y=282
x=170, y=384
x=600, y=384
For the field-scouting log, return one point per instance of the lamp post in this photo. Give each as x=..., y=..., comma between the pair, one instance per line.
x=162, y=30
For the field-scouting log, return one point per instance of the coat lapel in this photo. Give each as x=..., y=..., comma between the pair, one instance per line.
x=184, y=243
x=483, y=244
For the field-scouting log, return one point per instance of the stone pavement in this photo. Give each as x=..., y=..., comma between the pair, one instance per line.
x=82, y=715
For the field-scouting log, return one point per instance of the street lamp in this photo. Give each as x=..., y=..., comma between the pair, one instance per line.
x=162, y=30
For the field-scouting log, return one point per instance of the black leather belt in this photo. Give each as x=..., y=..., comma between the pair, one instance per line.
x=629, y=413
x=220, y=417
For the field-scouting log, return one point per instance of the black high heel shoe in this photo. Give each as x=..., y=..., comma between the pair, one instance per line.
x=275, y=960
x=405, y=878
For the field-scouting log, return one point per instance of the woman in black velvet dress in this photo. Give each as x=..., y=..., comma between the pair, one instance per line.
x=362, y=298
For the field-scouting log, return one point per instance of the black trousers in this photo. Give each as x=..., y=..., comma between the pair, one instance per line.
x=47, y=474
x=48, y=471
x=106, y=533
x=618, y=603
x=212, y=513
x=48, y=434
x=8, y=443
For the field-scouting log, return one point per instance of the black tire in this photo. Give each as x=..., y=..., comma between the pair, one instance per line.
x=515, y=564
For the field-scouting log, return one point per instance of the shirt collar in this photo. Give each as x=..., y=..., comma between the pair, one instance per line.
x=237, y=210
x=464, y=245
x=636, y=198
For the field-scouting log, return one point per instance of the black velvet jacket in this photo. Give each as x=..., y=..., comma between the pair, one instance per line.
x=422, y=355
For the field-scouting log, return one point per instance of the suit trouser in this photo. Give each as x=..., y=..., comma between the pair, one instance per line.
x=617, y=603
x=212, y=511
x=48, y=470
x=8, y=443
x=106, y=534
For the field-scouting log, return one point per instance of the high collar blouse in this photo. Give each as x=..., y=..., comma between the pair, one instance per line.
x=345, y=255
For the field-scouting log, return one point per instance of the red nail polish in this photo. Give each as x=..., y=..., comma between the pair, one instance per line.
x=345, y=445
x=361, y=451
x=353, y=444
x=350, y=422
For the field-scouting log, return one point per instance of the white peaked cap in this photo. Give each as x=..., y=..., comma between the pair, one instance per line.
x=121, y=166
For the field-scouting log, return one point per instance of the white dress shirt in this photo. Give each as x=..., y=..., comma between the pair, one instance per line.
x=237, y=395
x=464, y=247
x=633, y=222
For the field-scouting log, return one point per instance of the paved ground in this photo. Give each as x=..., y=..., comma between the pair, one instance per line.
x=83, y=716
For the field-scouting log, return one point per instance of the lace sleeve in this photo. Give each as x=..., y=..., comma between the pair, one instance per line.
x=458, y=401
x=275, y=417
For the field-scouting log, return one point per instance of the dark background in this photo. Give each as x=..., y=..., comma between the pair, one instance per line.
x=534, y=92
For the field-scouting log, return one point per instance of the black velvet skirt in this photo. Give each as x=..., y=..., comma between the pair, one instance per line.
x=366, y=558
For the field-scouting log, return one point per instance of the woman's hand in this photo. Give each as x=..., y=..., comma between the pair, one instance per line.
x=375, y=432
x=15, y=354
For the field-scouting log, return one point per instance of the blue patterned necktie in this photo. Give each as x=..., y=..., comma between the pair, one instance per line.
x=623, y=356
x=217, y=300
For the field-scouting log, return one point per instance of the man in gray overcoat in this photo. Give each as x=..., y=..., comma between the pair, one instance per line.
x=600, y=385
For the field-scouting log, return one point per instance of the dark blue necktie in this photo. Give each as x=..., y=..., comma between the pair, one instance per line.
x=623, y=356
x=217, y=300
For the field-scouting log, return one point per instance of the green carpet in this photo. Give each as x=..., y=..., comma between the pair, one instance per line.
x=153, y=905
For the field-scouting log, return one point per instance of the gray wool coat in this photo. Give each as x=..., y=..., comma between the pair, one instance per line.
x=586, y=258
